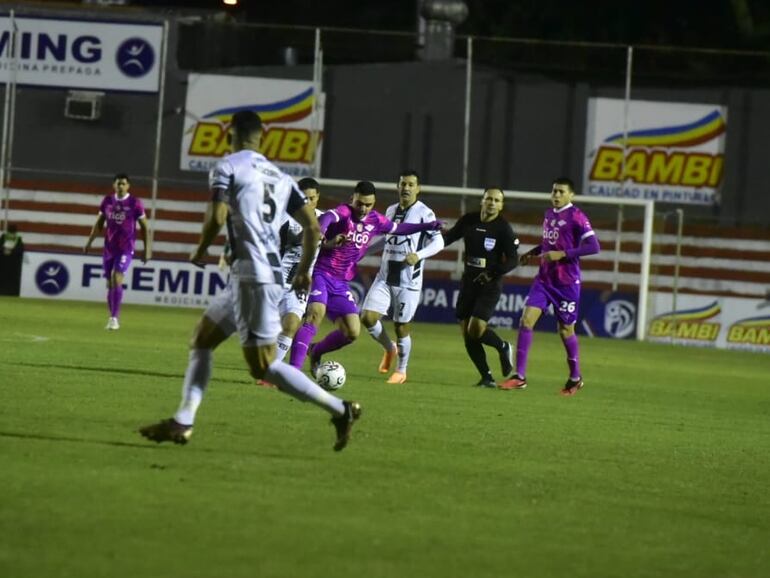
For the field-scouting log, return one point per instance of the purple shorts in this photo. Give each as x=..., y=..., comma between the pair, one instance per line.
x=564, y=298
x=119, y=263
x=334, y=293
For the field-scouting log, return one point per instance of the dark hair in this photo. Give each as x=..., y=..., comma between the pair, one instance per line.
x=564, y=181
x=245, y=123
x=365, y=188
x=121, y=176
x=308, y=183
x=502, y=192
x=409, y=173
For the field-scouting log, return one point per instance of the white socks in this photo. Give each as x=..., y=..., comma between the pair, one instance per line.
x=196, y=379
x=404, y=349
x=377, y=331
x=283, y=346
x=292, y=381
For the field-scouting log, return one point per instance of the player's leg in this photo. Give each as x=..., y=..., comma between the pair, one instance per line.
x=108, y=265
x=566, y=300
x=537, y=300
x=292, y=308
x=316, y=310
x=404, y=307
x=258, y=323
x=216, y=325
x=342, y=309
x=376, y=304
x=119, y=269
x=473, y=328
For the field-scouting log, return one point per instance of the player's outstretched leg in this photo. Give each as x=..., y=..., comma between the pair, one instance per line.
x=301, y=344
x=295, y=383
x=378, y=333
x=523, y=343
x=404, y=350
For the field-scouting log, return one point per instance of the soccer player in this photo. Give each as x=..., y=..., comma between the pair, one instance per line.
x=293, y=304
x=253, y=196
x=348, y=231
x=121, y=212
x=399, y=280
x=567, y=236
x=491, y=251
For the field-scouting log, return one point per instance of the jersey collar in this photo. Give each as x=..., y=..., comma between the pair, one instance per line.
x=564, y=208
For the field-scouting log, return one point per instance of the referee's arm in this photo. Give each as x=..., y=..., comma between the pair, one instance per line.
x=510, y=250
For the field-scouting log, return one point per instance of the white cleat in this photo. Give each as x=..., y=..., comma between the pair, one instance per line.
x=112, y=324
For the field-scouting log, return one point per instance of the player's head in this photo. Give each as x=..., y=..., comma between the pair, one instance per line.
x=245, y=130
x=491, y=203
x=120, y=184
x=363, y=199
x=562, y=191
x=408, y=187
x=312, y=190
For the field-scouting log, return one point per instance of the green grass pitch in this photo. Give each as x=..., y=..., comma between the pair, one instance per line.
x=659, y=467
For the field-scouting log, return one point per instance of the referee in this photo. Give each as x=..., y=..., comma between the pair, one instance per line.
x=491, y=249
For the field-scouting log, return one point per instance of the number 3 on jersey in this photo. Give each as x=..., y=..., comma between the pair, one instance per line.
x=268, y=204
x=568, y=306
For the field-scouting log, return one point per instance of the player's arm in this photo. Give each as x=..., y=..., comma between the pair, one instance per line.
x=455, y=232
x=324, y=221
x=95, y=230
x=411, y=228
x=146, y=253
x=589, y=245
x=434, y=245
x=216, y=215
x=311, y=233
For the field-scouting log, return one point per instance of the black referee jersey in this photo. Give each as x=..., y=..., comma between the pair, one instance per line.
x=491, y=247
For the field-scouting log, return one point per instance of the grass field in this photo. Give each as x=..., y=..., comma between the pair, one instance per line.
x=660, y=467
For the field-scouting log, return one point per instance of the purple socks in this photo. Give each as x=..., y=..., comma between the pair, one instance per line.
x=301, y=343
x=523, y=343
x=114, y=299
x=332, y=342
x=573, y=361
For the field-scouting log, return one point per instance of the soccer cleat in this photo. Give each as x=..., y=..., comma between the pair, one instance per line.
x=168, y=430
x=112, y=324
x=572, y=386
x=506, y=359
x=515, y=382
x=315, y=362
x=487, y=381
x=397, y=377
x=387, y=359
x=344, y=423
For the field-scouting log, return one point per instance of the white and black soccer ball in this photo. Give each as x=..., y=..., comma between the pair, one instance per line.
x=330, y=375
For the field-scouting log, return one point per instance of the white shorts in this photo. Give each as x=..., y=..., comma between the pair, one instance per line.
x=292, y=303
x=381, y=296
x=221, y=311
x=254, y=311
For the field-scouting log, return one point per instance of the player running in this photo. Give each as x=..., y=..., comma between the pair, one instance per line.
x=252, y=195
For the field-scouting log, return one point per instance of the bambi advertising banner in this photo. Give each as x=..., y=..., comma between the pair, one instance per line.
x=290, y=137
x=705, y=321
x=674, y=152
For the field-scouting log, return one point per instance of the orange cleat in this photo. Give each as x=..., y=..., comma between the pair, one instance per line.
x=397, y=377
x=387, y=359
x=516, y=382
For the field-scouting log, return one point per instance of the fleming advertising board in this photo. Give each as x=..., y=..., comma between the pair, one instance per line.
x=674, y=152
x=81, y=278
x=82, y=54
x=291, y=137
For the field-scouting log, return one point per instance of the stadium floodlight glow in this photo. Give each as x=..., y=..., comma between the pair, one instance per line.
x=230, y=2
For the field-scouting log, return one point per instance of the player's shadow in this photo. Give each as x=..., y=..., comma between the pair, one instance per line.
x=59, y=438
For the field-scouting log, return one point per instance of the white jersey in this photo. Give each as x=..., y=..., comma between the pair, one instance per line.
x=291, y=247
x=393, y=270
x=259, y=196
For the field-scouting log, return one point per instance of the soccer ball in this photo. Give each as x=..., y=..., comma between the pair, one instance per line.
x=330, y=375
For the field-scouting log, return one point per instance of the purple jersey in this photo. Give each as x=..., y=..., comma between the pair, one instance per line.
x=563, y=229
x=341, y=261
x=121, y=216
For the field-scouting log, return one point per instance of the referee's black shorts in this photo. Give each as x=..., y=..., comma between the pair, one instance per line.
x=476, y=300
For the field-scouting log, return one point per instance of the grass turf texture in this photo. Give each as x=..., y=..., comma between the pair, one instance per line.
x=658, y=467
